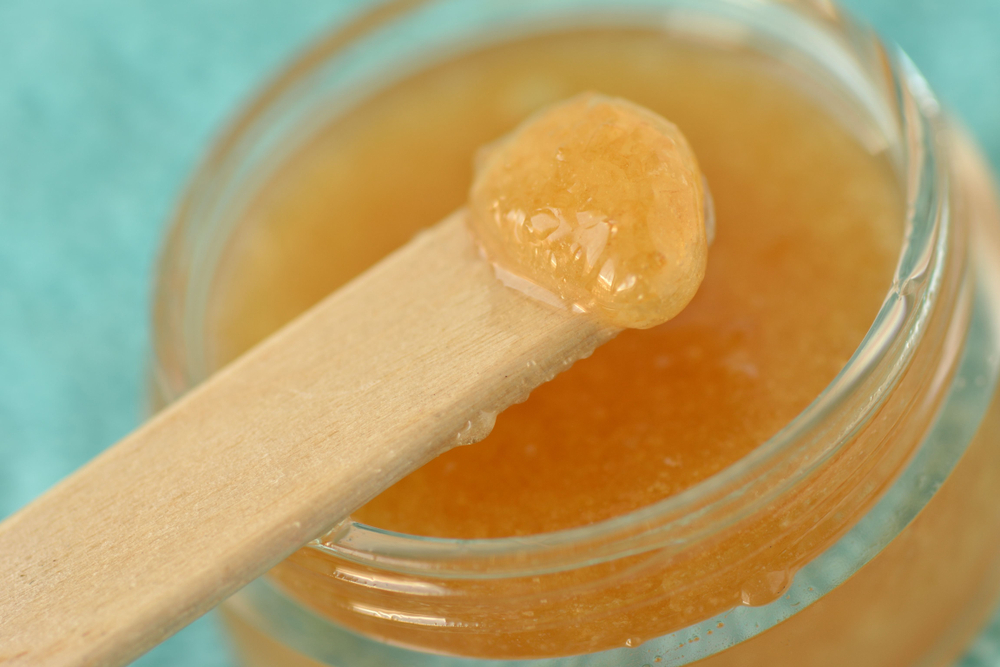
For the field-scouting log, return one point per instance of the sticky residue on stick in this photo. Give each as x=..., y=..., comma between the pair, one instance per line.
x=599, y=202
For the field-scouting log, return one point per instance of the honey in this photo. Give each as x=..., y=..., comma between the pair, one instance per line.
x=809, y=226
x=598, y=202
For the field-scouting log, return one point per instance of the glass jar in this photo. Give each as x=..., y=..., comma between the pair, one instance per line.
x=882, y=535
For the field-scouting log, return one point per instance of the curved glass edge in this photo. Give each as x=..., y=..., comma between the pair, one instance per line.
x=968, y=398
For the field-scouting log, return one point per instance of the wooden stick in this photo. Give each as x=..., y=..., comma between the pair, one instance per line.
x=409, y=359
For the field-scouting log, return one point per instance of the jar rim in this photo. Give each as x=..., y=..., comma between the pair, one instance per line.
x=907, y=121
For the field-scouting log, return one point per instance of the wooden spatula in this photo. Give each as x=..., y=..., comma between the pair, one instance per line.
x=413, y=357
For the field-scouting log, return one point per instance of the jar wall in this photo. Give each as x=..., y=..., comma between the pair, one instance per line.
x=948, y=549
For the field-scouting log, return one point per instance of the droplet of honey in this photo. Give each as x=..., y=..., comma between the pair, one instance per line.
x=600, y=202
x=765, y=588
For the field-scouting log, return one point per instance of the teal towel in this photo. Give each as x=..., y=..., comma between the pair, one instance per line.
x=105, y=108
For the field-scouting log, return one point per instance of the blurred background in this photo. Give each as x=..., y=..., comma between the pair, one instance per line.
x=105, y=108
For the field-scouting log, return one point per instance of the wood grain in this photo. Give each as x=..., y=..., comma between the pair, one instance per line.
x=401, y=364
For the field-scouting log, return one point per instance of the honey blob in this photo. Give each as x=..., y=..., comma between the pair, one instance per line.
x=599, y=201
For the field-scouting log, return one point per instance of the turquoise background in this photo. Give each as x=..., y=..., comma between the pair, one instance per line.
x=106, y=107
